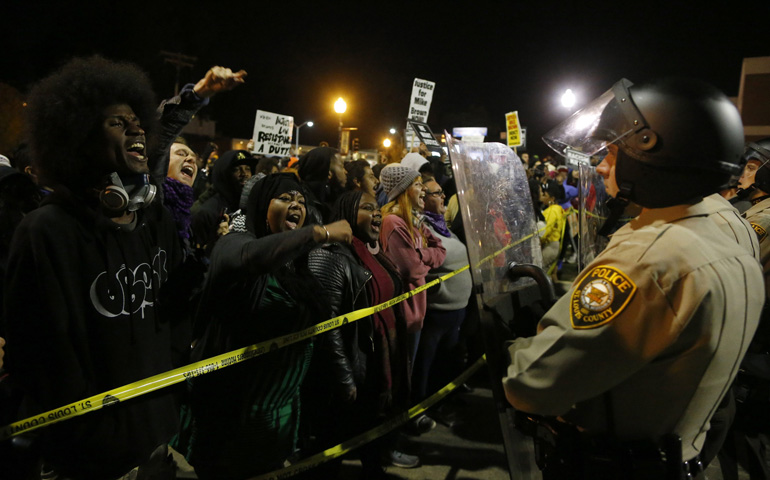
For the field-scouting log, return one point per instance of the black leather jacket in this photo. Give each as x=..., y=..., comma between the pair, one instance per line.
x=341, y=353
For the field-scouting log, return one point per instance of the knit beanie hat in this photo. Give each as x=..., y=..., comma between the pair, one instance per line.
x=414, y=161
x=396, y=178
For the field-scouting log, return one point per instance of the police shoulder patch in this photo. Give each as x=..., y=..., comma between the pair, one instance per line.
x=761, y=232
x=600, y=296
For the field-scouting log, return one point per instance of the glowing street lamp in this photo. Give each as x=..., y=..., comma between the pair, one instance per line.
x=392, y=131
x=568, y=99
x=309, y=123
x=340, y=106
x=386, y=143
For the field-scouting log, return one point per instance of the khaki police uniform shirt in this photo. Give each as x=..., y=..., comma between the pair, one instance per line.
x=759, y=217
x=660, y=319
x=732, y=224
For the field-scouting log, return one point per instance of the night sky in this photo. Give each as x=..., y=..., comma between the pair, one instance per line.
x=487, y=58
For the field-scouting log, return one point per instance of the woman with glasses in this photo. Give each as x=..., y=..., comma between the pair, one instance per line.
x=438, y=360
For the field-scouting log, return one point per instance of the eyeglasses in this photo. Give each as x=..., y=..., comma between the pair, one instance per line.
x=439, y=193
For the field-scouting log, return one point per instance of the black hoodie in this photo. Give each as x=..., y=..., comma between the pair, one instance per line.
x=226, y=199
x=84, y=313
x=83, y=294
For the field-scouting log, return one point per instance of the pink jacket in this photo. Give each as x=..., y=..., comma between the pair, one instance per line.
x=413, y=262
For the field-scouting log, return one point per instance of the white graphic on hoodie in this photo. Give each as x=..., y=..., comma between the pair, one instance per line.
x=129, y=291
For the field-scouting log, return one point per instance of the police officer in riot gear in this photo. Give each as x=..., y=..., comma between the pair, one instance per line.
x=752, y=386
x=754, y=185
x=631, y=363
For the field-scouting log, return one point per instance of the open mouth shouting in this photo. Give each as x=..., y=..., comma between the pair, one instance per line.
x=137, y=150
x=187, y=173
x=286, y=212
x=375, y=225
x=182, y=165
x=421, y=199
x=133, y=155
x=292, y=220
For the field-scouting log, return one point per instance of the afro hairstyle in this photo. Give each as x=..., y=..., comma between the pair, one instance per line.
x=66, y=108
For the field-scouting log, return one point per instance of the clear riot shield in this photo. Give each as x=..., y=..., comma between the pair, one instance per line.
x=498, y=215
x=500, y=228
x=593, y=212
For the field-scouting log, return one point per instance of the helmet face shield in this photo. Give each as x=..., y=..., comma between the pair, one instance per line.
x=607, y=119
x=760, y=153
x=678, y=139
x=755, y=151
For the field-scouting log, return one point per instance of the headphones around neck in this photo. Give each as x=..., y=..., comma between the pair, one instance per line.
x=116, y=199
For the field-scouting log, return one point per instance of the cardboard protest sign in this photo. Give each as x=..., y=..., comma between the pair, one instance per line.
x=422, y=96
x=272, y=133
x=425, y=136
x=419, y=107
x=513, y=128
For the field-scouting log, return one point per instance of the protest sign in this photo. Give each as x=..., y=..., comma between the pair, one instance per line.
x=419, y=106
x=422, y=96
x=425, y=136
x=272, y=133
x=513, y=128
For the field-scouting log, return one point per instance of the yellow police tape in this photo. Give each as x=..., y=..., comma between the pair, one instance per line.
x=387, y=426
x=171, y=377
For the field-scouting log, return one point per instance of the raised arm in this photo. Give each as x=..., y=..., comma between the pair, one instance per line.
x=176, y=113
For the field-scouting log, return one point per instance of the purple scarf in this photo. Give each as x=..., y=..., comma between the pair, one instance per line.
x=178, y=198
x=438, y=223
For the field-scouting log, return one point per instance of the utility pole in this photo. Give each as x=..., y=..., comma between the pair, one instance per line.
x=179, y=61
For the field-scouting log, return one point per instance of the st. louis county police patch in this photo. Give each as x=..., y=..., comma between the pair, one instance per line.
x=601, y=294
x=761, y=232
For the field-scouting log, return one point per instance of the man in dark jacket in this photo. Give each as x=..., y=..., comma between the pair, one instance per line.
x=231, y=172
x=84, y=313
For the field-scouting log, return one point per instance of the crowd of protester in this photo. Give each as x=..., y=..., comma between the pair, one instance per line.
x=125, y=253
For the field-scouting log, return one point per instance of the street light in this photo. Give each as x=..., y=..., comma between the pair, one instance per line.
x=340, y=106
x=386, y=143
x=392, y=131
x=568, y=99
x=309, y=123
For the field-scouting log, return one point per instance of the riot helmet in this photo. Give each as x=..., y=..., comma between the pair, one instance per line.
x=678, y=139
x=760, y=151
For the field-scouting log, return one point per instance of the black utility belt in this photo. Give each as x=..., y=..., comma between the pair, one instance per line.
x=561, y=449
